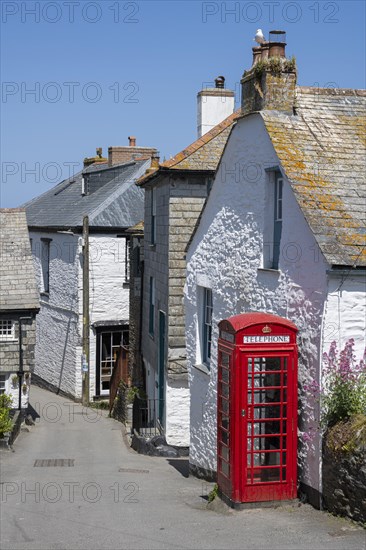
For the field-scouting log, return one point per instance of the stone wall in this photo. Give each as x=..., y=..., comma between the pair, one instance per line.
x=344, y=483
x=179, y=201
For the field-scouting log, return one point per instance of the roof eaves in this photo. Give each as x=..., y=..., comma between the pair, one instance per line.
x=202, y=141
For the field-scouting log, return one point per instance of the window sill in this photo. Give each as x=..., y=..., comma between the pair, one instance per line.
x=152, y=246
x=269, y=269
x=203, y=368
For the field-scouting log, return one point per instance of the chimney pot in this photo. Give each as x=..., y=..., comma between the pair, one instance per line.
x=264, y=51
x=99, y=152
x=277, y=44
x=220, y=82
x=132, y=141
x=257, y=54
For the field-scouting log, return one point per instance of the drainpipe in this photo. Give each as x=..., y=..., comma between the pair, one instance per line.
x=86, y=320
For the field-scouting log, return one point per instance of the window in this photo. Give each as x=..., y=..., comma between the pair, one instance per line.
x=2, y=383
x=277, y=223
x=153, y=216
x=7, y=329
x=273, y=220
x=127, y=260
x=207, y=326
x=152, y=306
x=45, y=263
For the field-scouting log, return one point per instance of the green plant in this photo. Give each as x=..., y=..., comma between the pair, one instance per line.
x=104, y=405
x=14, y=380
x=290, y=64
x=133, y=391
x=344, y=388
x=275, y=65
x=5, y=420
x=213, y=494
x=24, y=389
x=259, y=68
x=348, y=435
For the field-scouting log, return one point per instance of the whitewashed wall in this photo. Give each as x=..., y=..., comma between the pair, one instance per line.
x=57, y=322
x=177, y=399
x=345, y=311
x=60, y=320
x=226, y=255
x=109, y=298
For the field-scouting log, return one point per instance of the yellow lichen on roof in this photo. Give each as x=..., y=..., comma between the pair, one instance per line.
x=322, y=150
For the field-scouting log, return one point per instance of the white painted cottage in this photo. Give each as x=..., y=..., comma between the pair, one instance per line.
x=282, y=232
x=107, y=194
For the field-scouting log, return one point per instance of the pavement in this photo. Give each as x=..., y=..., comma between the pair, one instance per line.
x=73, y=483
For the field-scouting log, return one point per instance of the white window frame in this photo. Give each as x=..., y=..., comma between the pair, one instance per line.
x=279, y=199
x=7, y=330
x=3, y=383
x=273, y=213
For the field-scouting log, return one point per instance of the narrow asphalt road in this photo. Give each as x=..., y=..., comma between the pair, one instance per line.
x=73, y=483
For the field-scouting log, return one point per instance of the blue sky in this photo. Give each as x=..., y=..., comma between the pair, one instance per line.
x=101, y=71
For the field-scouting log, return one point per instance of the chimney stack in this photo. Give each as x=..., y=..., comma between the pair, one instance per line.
x=270, y=83
x=213, y=106
x=98, y=159
x=123, y=154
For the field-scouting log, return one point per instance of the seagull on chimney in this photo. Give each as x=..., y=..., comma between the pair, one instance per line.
x=259, y=37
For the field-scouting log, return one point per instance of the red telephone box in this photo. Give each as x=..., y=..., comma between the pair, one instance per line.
x=257, y=408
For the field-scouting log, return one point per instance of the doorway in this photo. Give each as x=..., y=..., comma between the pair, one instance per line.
x=110, y=343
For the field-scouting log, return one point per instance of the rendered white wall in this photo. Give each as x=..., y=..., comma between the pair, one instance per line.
x=60, y=320
x=226, y=255
x=177, y=403
x=109, y=300
x=57, y=322
x=345, y=312
x=211, y=110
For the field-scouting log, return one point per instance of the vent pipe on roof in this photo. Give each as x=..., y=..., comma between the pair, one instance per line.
x=155, y=159
x=83, y=186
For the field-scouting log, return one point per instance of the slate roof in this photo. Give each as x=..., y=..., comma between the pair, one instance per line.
x=18, y=289
x=322, y=150
x=202, y=154
x=113, y=199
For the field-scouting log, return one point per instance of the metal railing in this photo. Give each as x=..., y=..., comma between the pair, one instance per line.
x=146, y=415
